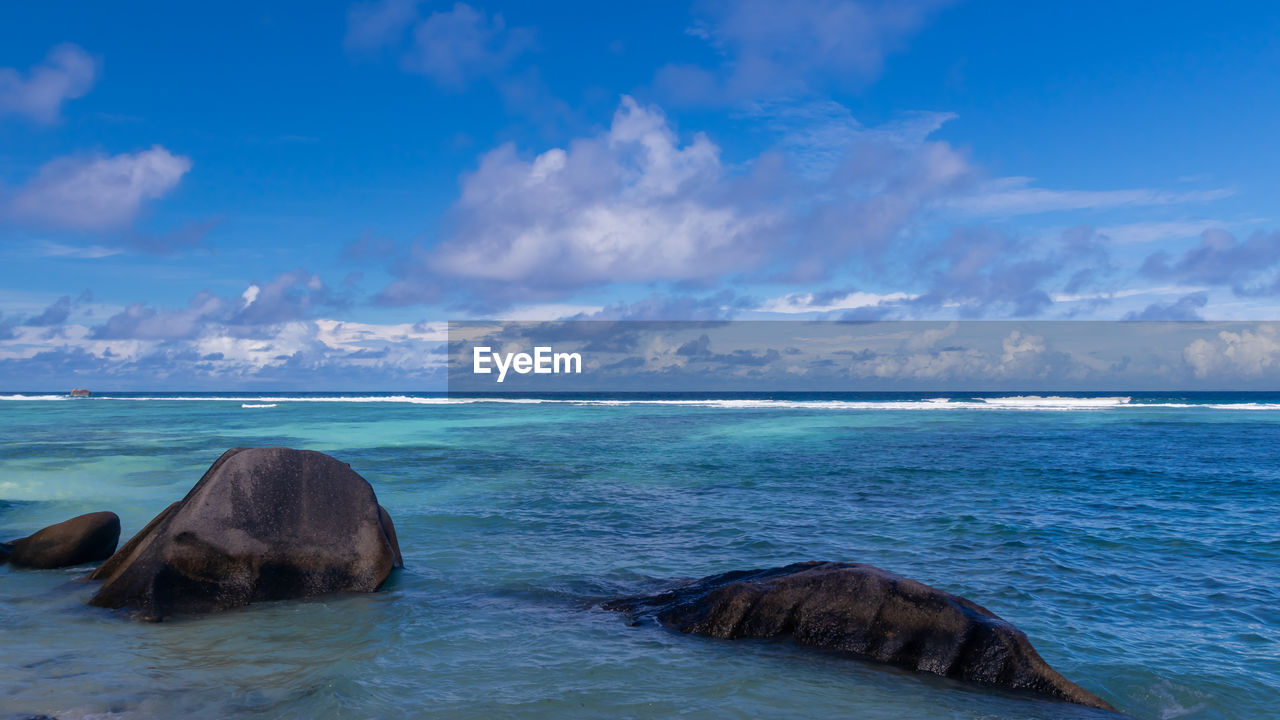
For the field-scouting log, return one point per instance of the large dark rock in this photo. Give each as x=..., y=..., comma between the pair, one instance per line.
x=84, y=539
x=262, y=524
x=867, y=612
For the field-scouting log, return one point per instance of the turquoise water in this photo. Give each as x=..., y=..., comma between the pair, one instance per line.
x=1136, y=543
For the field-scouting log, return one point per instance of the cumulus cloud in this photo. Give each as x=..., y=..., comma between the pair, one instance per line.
x=274, y=333
x=67, y=73
x=1020, y=354
x=301, y=354
x=452, y=47
x=632, y=204
x=641, y=203
x=636, y=203
x=775, y=47
x=98, y=192
x=1248, y=353
x=1250, y=267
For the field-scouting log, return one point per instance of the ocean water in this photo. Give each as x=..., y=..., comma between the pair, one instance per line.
x=1135, y=540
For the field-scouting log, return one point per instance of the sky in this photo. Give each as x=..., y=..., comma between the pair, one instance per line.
x=300, y=195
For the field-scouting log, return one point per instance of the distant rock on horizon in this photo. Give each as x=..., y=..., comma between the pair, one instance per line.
x=80, y=392
x=262, y=524
x=868, y=613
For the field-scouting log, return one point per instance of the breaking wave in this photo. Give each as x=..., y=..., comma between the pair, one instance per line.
x=1044, y=403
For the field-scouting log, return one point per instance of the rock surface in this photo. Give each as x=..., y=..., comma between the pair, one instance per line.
x=262, y=524
x=867, y=612
x=80, y=392
x=84, y=539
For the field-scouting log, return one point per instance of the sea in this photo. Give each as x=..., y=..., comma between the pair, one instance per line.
x=1135, y=538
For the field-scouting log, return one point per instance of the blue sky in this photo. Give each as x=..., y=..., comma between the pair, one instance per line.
x=255, y=194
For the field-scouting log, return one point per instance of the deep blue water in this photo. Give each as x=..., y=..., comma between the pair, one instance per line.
x=1137, y=543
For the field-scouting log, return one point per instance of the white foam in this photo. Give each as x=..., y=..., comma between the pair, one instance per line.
x=1044, y=403
x=1244, y=406
x=330, y=399
x=1039, y=402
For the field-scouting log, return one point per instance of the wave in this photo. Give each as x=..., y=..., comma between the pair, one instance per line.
x=1056, y=402
x=1053, y=403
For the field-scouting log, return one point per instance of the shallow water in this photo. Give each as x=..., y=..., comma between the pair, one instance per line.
x=1135, y=542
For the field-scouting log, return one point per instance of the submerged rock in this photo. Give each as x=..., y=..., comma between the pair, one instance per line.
x=84, y=539
x=867, y=612
x=262, y=524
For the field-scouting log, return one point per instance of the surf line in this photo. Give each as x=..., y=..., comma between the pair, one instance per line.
x=543, y=361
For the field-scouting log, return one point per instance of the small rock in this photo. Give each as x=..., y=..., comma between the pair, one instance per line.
x=80, y=540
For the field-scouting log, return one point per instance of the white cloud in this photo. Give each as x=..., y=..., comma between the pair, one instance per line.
x=87, y=252
x=630, y=205
x=1015, y=196
x=1020, y=355
x=788, y=47
x=98, y=192
x=1020, y=348
x=637, y=203
x=297, y=353
x=67, y=73
x=1245, y=353
x=31, y=341
x=451, y=47
x=355, y=336
x=811, y=302
x=250, y=294
x=1128, y=293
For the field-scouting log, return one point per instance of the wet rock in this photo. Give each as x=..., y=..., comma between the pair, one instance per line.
x=84, y=539
x=262, y=524
x=868, y=613
x=80, y=392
